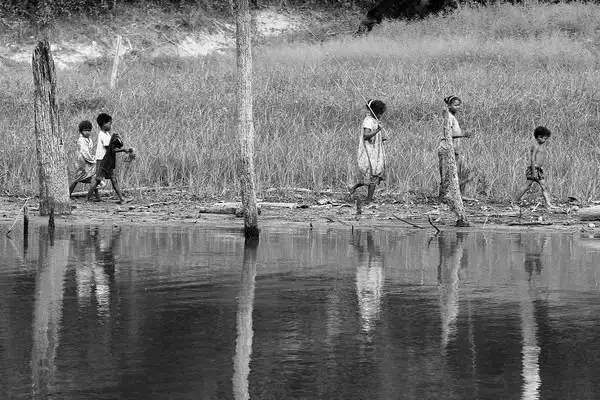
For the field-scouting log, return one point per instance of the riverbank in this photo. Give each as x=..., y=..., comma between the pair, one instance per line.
x=300, y=208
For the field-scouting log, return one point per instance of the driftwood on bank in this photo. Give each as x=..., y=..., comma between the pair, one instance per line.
x=235, y=208
x=589, y=213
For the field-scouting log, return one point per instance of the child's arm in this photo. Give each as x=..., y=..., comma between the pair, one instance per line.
x=85, y=152
x=369, y=133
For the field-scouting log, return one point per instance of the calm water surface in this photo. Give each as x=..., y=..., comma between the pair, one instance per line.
x=174, y=313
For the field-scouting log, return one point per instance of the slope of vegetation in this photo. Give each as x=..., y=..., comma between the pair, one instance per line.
x=514, y=66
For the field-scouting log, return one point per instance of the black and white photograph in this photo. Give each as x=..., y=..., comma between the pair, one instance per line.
x=299, y=199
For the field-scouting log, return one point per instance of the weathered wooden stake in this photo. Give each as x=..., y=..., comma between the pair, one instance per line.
x=49, y=141
x=116, y=60
x=449, y=184
x=245, y=125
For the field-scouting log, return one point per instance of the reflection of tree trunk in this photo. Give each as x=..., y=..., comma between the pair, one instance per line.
x=47, y=315
x=531, y=351
x=451, y=254
x=243, y=346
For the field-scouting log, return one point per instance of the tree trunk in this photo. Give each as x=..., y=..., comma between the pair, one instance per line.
x=245, y=125
x=449, y=184
x=54, y=185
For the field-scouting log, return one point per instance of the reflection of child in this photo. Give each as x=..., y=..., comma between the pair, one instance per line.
x=535, y=170
x=371, y=155
x=108, y=146
x=86, y=163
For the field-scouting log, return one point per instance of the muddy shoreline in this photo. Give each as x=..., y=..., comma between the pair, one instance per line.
x=308, y=209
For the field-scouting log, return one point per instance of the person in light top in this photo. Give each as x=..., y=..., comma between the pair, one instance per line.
x=86, y=162
x=371, y=154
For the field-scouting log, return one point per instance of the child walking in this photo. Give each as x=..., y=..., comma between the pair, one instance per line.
x=86, y=163
x=535, y=170
x=107, y=147
x=371, y=154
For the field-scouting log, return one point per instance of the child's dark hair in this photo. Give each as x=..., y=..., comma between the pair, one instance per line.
x=85, y=126
x=451, y=99
x=541, y=131
x=376, y=107
x=103, y=119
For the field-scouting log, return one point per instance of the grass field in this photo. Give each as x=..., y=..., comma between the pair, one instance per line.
x=515, y=67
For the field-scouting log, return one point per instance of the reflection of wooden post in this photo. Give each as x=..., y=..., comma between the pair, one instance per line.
x=245, y=125
x=49, y=143
x=47, y=316
x=449, y=184
x=115, y=67
x=243, y=346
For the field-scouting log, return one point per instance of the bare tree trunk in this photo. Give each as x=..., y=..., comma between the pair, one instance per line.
x=449, y=184
x=245, y=125
x=54, y=184
x=115, y=67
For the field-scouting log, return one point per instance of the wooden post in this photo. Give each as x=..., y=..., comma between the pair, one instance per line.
x=116, y=60
x=245, y=125
x=54, y=185
x=449, y=184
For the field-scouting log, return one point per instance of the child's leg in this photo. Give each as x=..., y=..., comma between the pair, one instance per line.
x=72, y=187
x=545, y=193
x=522, y=191
x=371, y=192
x=115, y=185
x=93, y=189
x=353, y=189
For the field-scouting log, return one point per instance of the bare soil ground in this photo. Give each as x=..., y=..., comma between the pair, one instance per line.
x=175, y=206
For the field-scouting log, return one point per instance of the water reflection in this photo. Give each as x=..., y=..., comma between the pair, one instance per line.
x=369, y=280
x=47, y=314
x=243, y=342
x=161, y=312
x=532, y=248
x=451, y=248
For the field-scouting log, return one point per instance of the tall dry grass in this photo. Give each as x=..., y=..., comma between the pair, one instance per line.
x=515, y=67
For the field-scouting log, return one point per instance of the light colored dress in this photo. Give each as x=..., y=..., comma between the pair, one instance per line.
x=464, y=169
x=371, y=154
x=86, y=163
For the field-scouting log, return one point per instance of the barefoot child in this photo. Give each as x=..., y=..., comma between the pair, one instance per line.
x=108, y=146
x=535, y=171
x=371, y=155
x=86, y=163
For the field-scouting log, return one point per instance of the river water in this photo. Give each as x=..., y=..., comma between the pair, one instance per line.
x=181, y=313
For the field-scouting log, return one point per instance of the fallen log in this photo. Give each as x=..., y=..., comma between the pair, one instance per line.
x=589, y=213
x=137, y=189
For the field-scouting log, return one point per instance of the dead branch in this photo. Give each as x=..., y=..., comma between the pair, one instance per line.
x=432, y=224
x=17, y=217
x=408, y=222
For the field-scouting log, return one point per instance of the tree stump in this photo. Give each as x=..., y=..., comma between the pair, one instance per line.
x=52, y=163
x=245, y=124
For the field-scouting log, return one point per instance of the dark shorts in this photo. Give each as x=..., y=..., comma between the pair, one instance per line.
x=101, y=172
x=535, y=174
